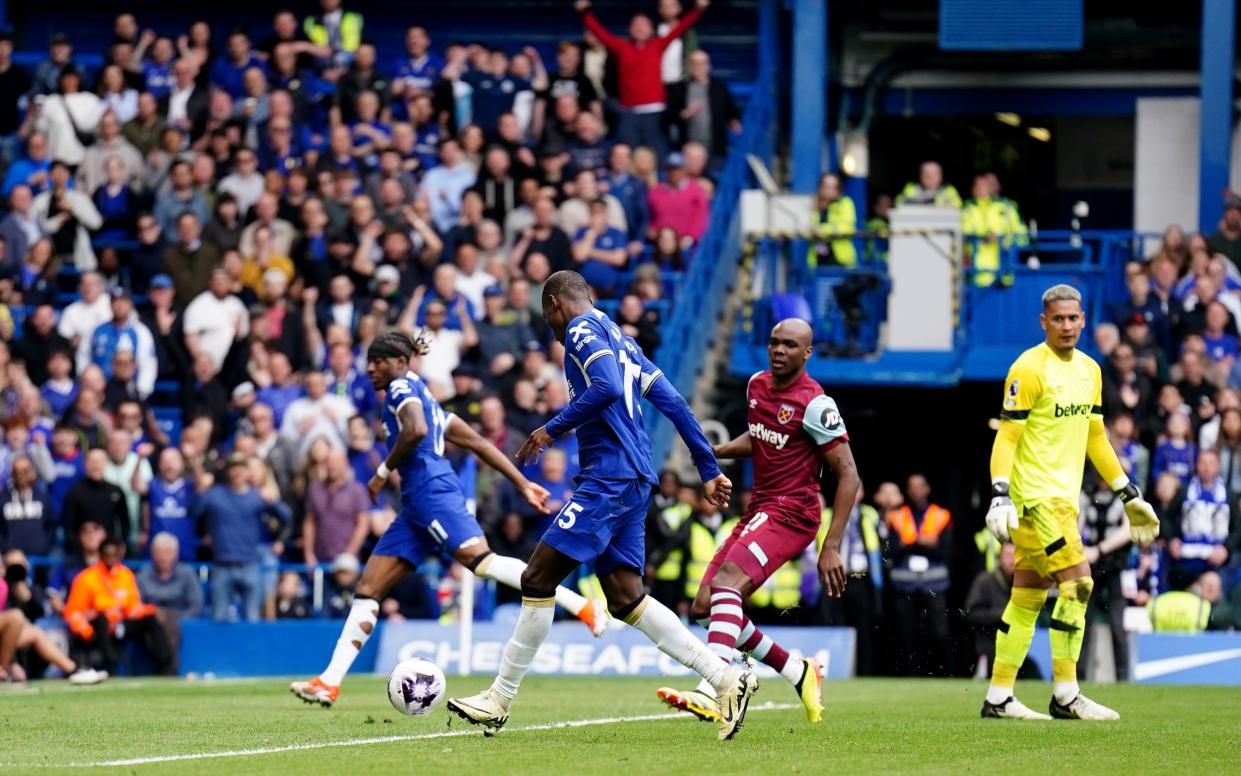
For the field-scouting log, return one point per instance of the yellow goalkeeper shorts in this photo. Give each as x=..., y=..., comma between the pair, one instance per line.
x=1047, y=539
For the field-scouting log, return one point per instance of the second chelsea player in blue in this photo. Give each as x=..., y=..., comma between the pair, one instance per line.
x=604, y=522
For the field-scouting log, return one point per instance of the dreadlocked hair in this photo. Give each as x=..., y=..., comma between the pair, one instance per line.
x=398, y=344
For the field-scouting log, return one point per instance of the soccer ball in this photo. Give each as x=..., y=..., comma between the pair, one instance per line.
x=416, y=686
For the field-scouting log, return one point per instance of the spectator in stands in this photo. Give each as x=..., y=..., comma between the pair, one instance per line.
x=337, y=517
x=92, y=174
x=835, y=214
x=39, y=338
x=635, y=322
x=167, y=505
x=345, y=380
x=501, y=336
x=215, y=320
x=992, y=224
x=588, y=148
x=172, y=588
x=600, y=251
x=919, y=550
x=494, y=425
x=930, y=189
x=181, y=197
x=185, y=107
x=116, y=95
x=67, y=217
x=291, y=601
x=639, y=63
x=417, y=71
x=570, y=81
x=1227, y=236
x=702, y=110
x=575, y=211
x=630, y=191
x=1176, y=452
x=444, y=184
x=144, y=130
x=20, y=228
x=245, y=182
x=79, y=319
x=14, y=84
x=317, y=414
x=95, y=498
x=1203, y=531
x=361, y=76
x=1125, y=389
x=59, y=56
x=338, y=30
x=132, y=474
x=125, y=332
x=26, y=520
x=67, y=116
x=105, y=597
x=228, y=72
x=32, y=169
x=237, y=519
x=266, y=212
x=679, y=203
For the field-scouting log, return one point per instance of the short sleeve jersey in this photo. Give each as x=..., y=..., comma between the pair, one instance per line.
x=790, y=428
x=1055, y=399
x=427, y=459
x=614, y=445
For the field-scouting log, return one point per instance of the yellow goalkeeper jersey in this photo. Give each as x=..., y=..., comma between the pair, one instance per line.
x=1054, y=399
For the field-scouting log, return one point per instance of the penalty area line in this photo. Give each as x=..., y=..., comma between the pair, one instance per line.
x=575, y=723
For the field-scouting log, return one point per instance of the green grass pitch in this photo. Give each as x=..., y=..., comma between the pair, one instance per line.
x=871, y=726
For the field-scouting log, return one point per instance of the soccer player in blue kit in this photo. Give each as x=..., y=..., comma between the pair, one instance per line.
x=434, y=517
x=604, y=523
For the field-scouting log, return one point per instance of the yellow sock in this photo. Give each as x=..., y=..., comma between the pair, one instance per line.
x=1013, y=637
x=1068, y=626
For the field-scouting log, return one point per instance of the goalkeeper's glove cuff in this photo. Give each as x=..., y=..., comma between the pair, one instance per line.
x=999, y=489
x=1128, y=493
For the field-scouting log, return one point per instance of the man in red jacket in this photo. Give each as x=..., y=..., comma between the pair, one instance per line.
x=641, y=85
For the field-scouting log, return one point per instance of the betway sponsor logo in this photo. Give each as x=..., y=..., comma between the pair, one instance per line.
x=1072, y=410
x=768, y=435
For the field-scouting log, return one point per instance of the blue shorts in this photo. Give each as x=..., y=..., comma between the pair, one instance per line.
x=604, y=524
x=434, y=520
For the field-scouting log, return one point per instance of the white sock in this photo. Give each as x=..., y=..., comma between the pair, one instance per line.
x=533, y=625
x=997, y=694
x=666, y=630
x=507, y=571
x=1065, y=691
x=794, y=669
x=359, y=626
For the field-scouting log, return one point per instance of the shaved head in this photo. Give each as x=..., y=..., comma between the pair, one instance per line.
x=788, y=349
x=794, y=328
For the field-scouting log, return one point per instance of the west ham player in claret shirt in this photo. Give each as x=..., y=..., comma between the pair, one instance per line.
x=794, y=429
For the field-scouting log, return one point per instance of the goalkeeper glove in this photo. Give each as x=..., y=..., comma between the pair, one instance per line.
x=1002, y=516
x=1143, y=524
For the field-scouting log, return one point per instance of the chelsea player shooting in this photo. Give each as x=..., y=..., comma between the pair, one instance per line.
x=604, y=523
x=1051, y=420
x=434, y=518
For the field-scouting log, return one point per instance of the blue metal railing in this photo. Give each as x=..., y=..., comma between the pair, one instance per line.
x=688, y=332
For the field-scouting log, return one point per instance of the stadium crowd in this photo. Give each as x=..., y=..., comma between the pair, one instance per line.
x=201, y=239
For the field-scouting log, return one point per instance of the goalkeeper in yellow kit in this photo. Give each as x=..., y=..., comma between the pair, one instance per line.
x=1051, y=420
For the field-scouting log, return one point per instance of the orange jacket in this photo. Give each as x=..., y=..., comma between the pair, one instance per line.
x=906, y=528
x=95, y=591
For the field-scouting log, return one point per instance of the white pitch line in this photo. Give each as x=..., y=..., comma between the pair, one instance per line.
x=394, y=739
